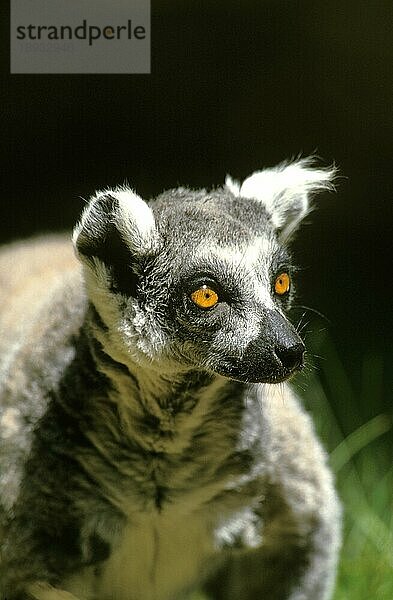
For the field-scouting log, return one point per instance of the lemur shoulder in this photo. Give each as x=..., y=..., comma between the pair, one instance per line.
x=150, y=443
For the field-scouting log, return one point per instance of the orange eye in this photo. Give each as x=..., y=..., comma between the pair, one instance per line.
x=204, y=297
x=282, y=284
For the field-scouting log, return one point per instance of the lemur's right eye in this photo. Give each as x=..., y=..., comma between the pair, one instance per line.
x=282, y=284
x=204, y=297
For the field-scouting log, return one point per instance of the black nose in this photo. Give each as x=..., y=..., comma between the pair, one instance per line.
x=291, y=357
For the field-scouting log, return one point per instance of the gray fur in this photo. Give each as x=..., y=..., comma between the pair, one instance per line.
x=149, y=447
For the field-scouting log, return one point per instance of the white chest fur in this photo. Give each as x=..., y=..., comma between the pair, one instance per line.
x=158, y=557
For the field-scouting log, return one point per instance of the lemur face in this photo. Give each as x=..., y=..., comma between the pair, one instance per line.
x=198, y=279
x=225, y=309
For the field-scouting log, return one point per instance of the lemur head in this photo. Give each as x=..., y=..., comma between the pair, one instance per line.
x=200, y=279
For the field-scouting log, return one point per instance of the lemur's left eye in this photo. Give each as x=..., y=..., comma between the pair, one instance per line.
x=204, y=297
x=282, y=284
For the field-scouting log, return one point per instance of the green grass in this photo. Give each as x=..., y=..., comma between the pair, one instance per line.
x=360, y=452
x=362, y=461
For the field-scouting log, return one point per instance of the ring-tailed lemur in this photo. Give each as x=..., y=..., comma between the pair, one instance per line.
x=148, y=443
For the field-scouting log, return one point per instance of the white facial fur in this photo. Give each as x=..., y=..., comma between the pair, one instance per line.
x=251, y=264
x=244, y=261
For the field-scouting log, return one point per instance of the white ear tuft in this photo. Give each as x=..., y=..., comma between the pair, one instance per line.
x=232, y=185
x=285, y=191
x=135, y=220
x=115, y=214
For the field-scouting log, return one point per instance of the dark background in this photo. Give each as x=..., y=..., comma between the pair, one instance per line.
x=235, y=86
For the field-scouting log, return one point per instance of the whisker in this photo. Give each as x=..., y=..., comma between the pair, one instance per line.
x=313, y=310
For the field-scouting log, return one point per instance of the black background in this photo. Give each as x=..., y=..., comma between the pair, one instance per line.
x=235, y=86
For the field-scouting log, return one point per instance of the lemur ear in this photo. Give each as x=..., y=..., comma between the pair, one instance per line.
x=116, y=228
x=285, y=191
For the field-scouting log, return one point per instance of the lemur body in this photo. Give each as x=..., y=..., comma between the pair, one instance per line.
x=149, y=444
